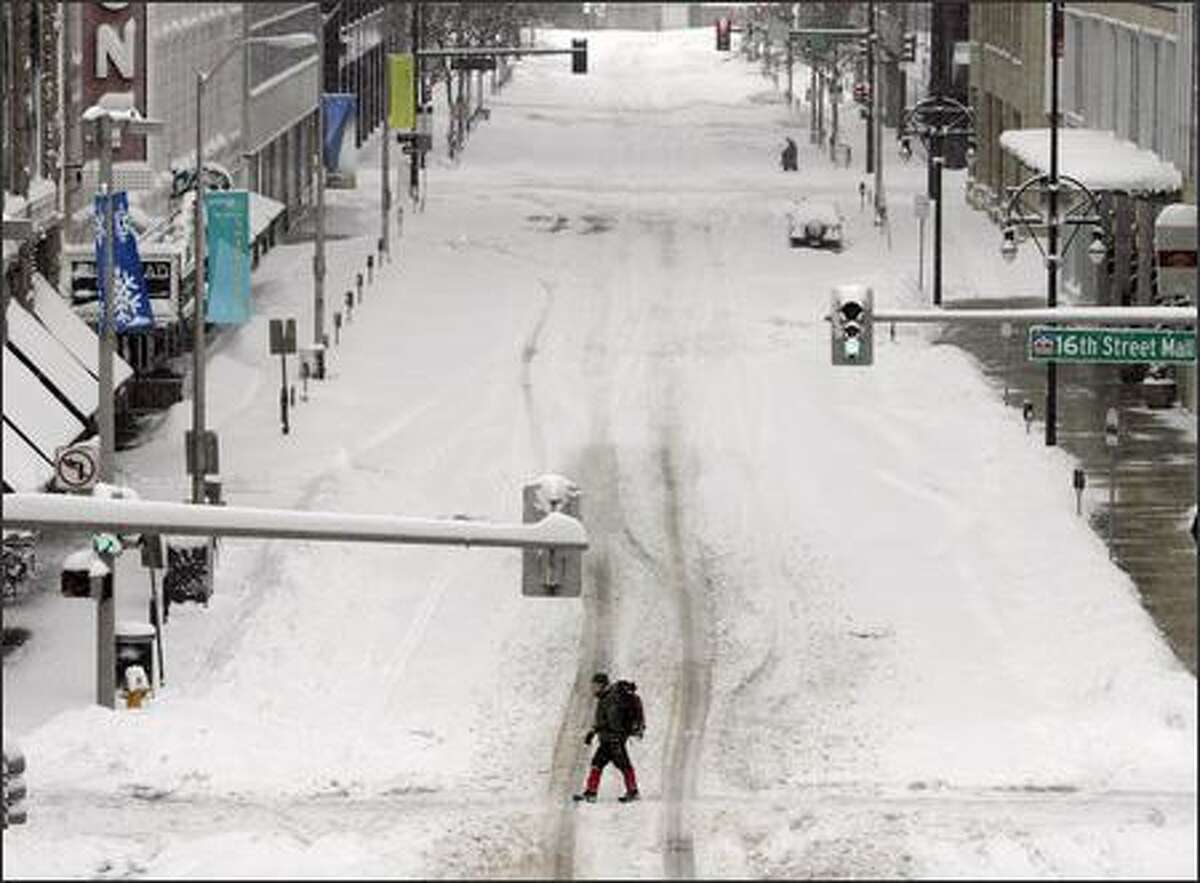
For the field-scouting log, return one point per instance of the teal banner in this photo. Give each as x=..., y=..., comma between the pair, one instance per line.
x=227, y=228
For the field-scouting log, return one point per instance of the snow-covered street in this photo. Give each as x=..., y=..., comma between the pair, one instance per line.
x=871, y=635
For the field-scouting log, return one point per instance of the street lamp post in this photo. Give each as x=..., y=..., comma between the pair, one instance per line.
x=933, y=120
x=1068, y=202
x=197, y=447
x=108, y=122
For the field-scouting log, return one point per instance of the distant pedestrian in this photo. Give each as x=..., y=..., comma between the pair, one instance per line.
x=790, y=156
x=618, y=716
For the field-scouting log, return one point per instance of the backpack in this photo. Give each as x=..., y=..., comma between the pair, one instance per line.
x=629, y=709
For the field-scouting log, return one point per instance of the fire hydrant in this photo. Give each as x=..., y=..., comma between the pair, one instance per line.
x=137, y=686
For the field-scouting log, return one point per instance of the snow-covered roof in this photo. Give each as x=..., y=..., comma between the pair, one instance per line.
x=25, y=468
x=56, y=363
x=1096, y=158
x=263, y=210
x=52, y=310
x=30, y=407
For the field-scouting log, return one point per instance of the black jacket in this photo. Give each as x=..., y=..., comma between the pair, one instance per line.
x=607, y=722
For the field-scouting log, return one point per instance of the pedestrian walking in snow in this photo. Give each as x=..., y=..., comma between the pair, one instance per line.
x=618, y=716
x=789, y=156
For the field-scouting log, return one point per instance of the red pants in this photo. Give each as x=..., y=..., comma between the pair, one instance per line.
x=611, y=752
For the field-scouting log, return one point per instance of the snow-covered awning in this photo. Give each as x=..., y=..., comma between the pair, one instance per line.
x=263, y=210
x=1096, y=158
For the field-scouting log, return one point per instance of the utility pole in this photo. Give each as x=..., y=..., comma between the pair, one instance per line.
x=871, y=122
x=1052, y=256
x=876, y=116
x=414, y=168
x=319, y=238
x=835, y=98
x=385, y=185
x=104, y=411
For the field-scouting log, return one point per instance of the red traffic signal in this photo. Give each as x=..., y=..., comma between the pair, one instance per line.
x=862, y=93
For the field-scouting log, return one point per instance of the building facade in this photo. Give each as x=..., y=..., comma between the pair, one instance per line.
x=31, y=131
x=1126, y=69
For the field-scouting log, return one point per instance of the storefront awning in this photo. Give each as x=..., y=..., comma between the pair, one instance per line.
x=35, y=416
x=1096, y=158
x=263, y=210
x=52, y=310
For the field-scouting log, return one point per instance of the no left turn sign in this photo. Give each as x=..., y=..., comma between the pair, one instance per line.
x=75, y=467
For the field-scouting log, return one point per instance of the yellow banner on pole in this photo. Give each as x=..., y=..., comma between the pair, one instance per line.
x=401, y=114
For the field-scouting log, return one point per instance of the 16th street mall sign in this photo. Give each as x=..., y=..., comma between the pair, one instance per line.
x=1118, y=345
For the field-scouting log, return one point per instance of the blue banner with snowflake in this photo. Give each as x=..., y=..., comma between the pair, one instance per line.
x=131, y=302
x=227, y=228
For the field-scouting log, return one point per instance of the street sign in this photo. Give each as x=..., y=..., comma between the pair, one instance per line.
x=282, y=336
x=1110, y=345
x=75, y=467
x=473, y=63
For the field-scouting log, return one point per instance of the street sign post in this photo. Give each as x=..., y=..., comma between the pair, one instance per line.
x=1111, y=345
x=1112, y=438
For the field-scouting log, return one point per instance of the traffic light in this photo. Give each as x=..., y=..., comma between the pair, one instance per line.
x=722, y=34
x=862, y=93
x=909, y=50
x=850, y=321
x=579, y=56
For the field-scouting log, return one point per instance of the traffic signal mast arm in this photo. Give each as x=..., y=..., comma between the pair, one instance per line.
x=835, y=33
x=1095, y=315
x=468, y=51
x=555, y=531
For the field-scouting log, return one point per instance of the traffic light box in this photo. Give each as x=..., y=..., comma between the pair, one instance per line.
x=579, y=56
x=722, y=25
x=862, y=93
x=909, y=50
x=851, y=325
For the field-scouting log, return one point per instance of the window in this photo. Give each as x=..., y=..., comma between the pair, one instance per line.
x=1148, y=101
x=1166, y=120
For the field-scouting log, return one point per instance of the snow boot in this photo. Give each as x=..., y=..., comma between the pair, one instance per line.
x=589, y=796
x=630, y=796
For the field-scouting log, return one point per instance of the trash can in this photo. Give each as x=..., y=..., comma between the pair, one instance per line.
x=314, y=357
x=134, y=647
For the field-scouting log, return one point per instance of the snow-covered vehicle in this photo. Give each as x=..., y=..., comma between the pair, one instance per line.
x=814, y=223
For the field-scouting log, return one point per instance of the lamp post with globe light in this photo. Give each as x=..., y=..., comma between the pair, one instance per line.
x=1067, y=202
x=933, y=120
